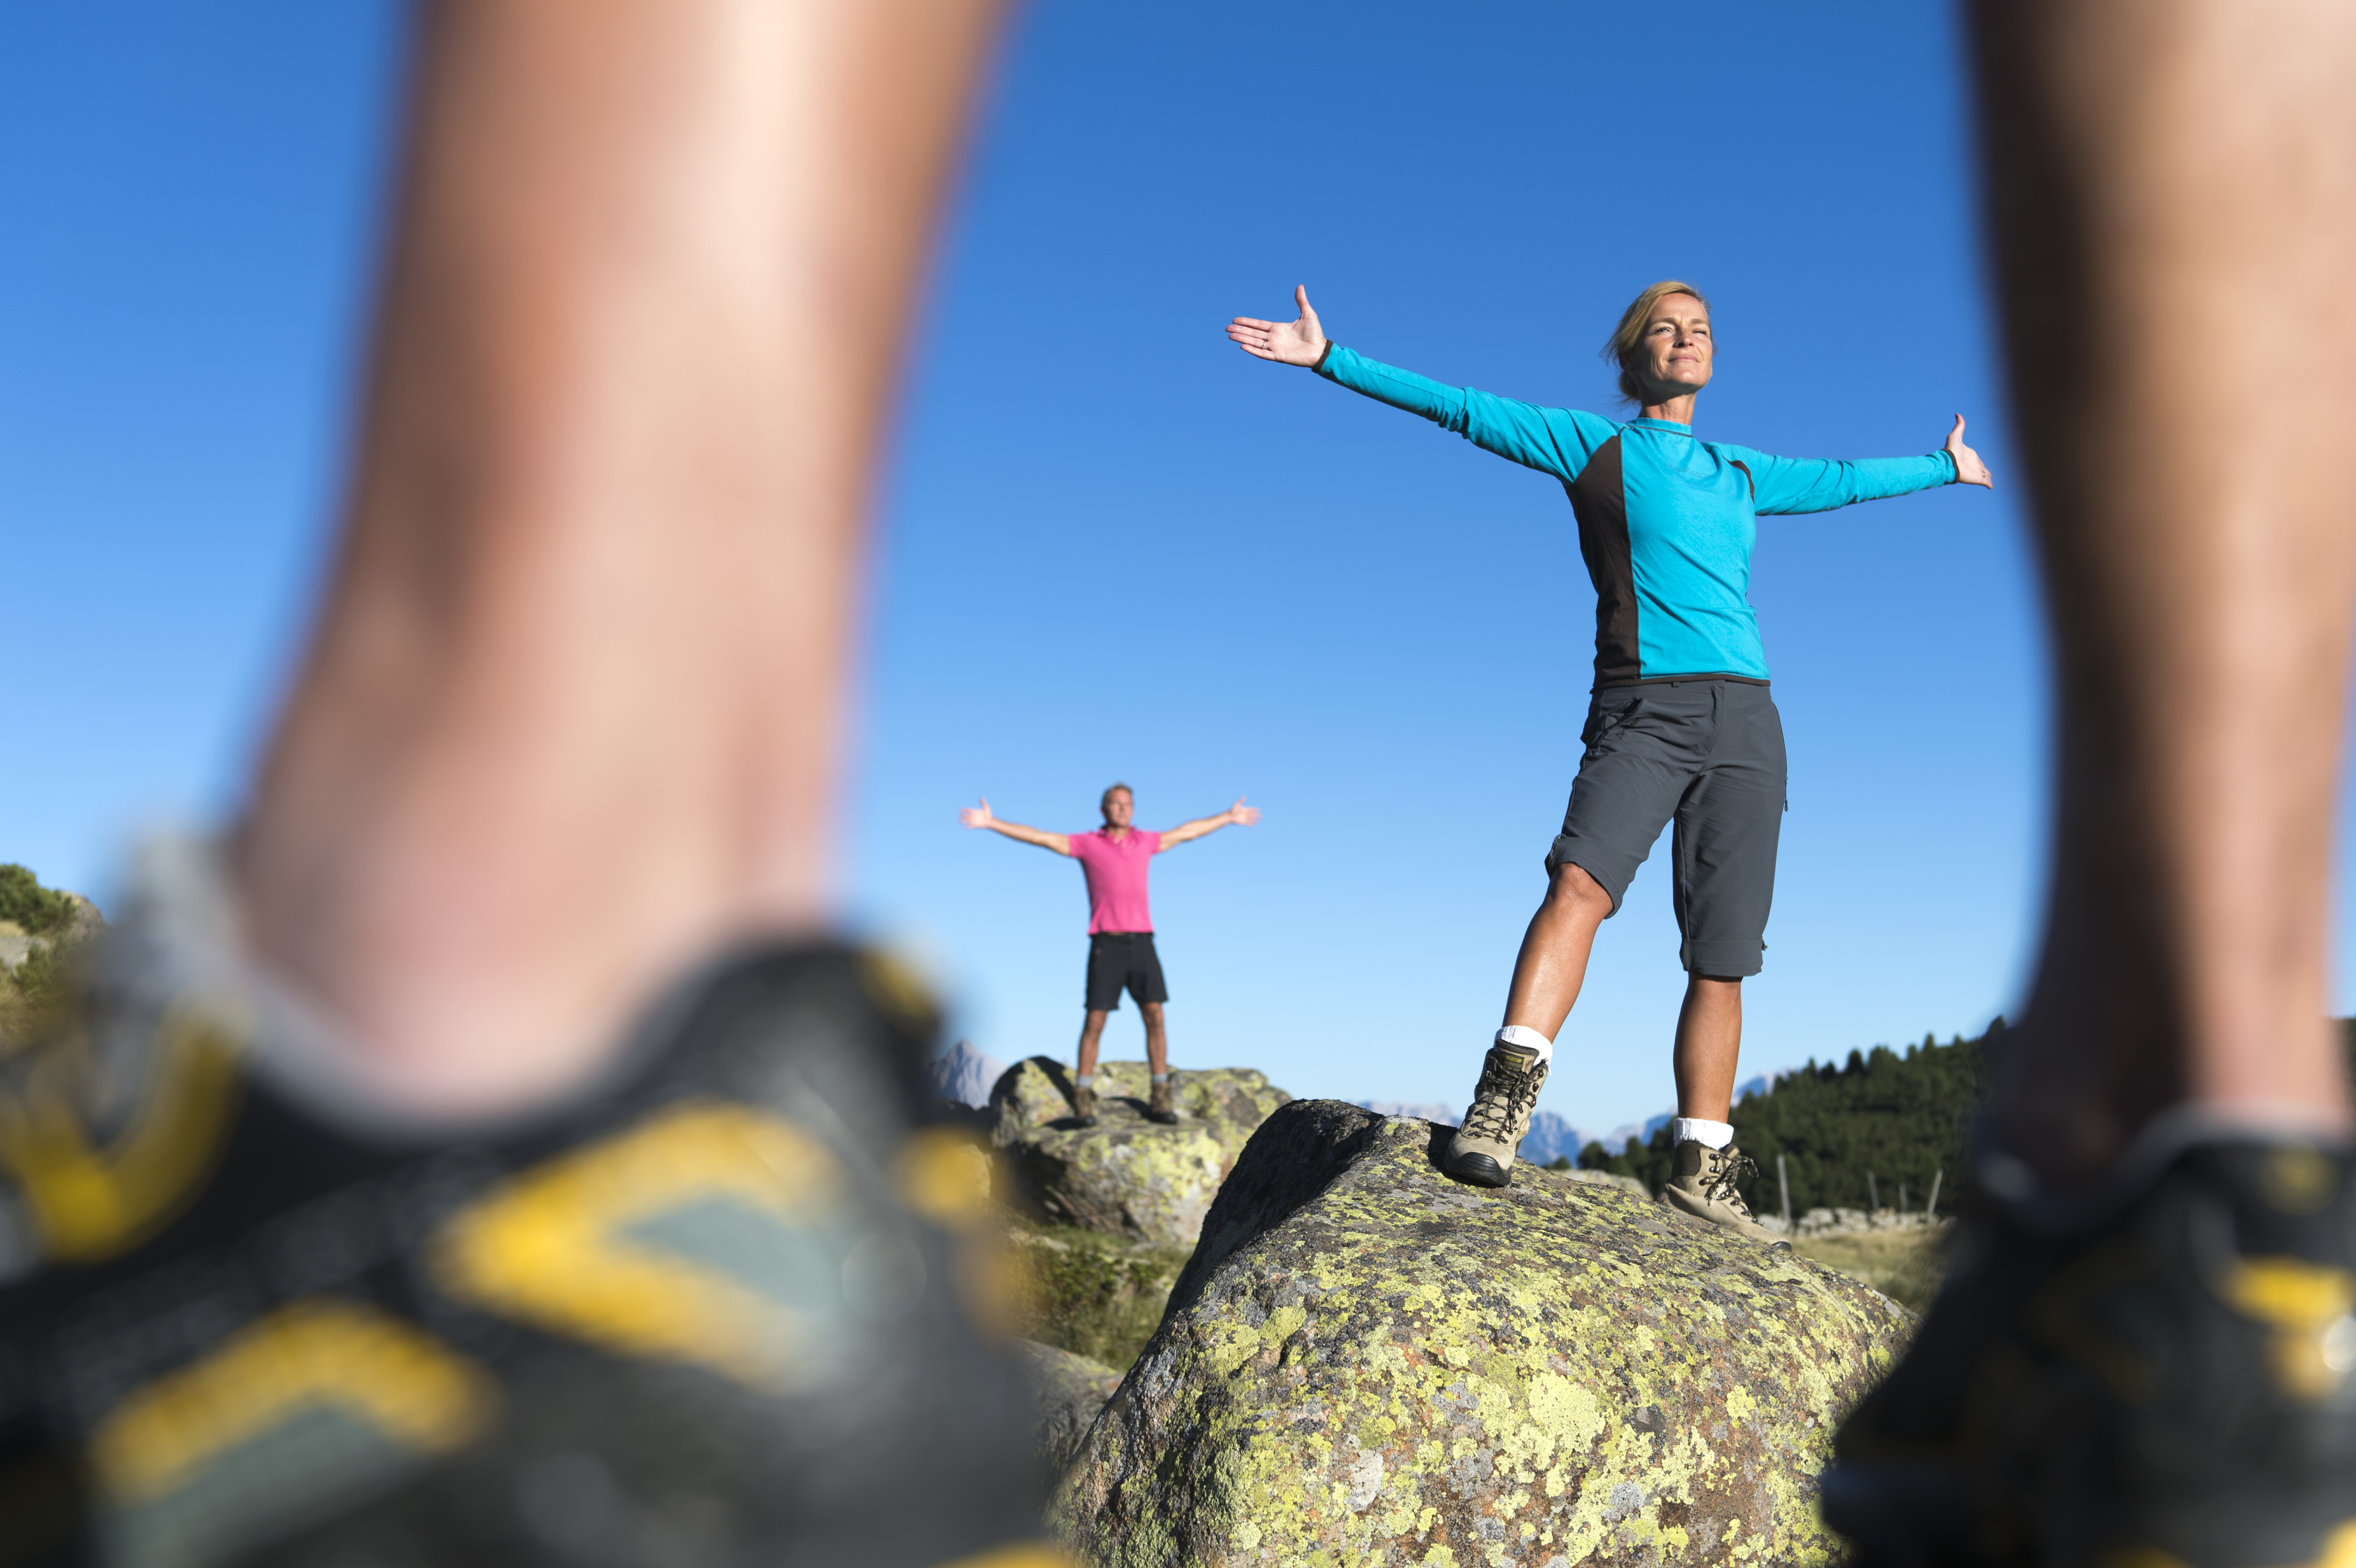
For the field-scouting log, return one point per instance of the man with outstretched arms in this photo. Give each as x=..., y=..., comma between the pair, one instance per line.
x=1121, y=928
x=1681, y=728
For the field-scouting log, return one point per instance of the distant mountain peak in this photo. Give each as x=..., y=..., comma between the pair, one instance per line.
x=962, y=1076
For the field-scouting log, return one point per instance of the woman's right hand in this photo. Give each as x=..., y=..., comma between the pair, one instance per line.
x=1286, y=341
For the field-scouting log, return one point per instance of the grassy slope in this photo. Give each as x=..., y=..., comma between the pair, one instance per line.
x=1904, y=1265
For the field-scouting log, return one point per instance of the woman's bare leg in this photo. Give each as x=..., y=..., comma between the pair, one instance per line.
x=1552, y=964
x=1709, y=1047
x=2173, y=185
x=573, y=714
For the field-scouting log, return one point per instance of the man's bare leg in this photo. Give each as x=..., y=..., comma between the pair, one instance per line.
x=2174, y=193
x=2143, y=1354
x=1092, y=1027
x=1157, y=1038
x=1552, y=962
x=573, y=714
x=569, y=724
x=1709, y=1048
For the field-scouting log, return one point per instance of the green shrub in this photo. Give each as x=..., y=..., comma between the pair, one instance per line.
x=36, y=991
x=42, y=911
x=39, y=987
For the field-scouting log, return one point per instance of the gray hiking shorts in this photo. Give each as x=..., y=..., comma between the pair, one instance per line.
x=1708, y=755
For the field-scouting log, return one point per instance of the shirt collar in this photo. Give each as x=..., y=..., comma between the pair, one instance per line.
x=1662, y=424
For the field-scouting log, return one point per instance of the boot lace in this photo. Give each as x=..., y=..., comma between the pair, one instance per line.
x=1500, y=1102
x=1727, y=1169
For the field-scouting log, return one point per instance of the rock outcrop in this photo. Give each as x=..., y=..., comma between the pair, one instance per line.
x=1066, y=1392
x=1366, y=1362
x=1126, y=1175
x=1606, y=1179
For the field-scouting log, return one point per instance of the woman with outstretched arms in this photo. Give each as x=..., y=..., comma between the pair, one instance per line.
x=1681, y=728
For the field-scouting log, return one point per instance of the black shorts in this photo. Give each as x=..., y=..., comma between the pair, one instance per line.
x=1708, y=755
x=1119, y=958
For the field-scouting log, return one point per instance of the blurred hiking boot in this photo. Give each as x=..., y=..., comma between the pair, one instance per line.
x=1084, y=1104
x=705, y=1310
x=1161, y=1105
x=2163, y=1385
x=1701, y=1183
x=1482, y=1152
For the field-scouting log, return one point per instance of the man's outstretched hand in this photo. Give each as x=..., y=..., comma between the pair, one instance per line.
x=1286, y=341
x=1969, y=469
x=1239, y=813
x=977, y=816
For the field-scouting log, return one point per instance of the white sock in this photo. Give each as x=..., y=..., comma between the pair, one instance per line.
x=1158, y=1077
x=1527, y=1040
x=1710, y=1134
x=1084, y=1080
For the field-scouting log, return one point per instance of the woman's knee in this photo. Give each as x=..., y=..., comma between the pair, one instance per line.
x=1574, y=891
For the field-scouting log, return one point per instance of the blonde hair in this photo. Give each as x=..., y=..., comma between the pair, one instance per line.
x=1627, y=339
x=1111, y=790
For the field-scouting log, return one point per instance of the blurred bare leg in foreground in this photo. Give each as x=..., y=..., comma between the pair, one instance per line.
x=532, y=1184
x=2174, y=192
x=2144, y=1355
x=574, y=714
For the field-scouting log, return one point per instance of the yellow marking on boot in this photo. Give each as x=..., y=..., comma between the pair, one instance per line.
x=2338, y=1548
x=2305, y=1305
x=2339, y=1551
x=548, y=1248
x=1027, y=1554
x=893, y=985
x=90, y=1203
x=945, y=1177
x=413, y=1390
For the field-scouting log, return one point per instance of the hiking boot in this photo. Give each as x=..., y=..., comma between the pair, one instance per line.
x=1084, y=1104
x=2167, y=1384
x=1701, y=1183
x=1162, y=1105
x=710, y=1307
x=1482, y=1152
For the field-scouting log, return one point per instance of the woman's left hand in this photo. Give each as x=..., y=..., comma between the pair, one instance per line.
x=1969, y=469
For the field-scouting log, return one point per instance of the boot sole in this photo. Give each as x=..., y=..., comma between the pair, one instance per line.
x=1478, y=1171
x=1900, y=1516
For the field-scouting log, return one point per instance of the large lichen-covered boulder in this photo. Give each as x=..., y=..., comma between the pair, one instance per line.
x=1066, y=1392
x=1366, y=1362
x=1126, y=1176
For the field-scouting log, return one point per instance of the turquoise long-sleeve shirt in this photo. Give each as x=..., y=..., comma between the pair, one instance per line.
x=1666, y=521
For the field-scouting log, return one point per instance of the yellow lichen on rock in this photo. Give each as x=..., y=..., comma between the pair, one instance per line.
x=1365, y=1362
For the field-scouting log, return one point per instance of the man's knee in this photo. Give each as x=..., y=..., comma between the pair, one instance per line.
x=1153, y=1011
x=1094, y=1021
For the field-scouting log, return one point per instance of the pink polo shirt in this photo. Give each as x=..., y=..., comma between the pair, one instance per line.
x=1116, y=873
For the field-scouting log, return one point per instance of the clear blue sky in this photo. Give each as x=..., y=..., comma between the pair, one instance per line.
x=1114, y=547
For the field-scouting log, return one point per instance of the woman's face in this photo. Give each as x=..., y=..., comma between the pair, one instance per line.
x=1677, y=350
